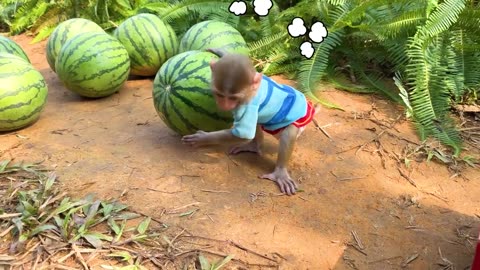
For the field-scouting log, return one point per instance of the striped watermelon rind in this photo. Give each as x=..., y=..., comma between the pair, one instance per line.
x=64, y=32
x=149, y=42
x=182, y=94
x=9, y=46
x=213, y=34
x=93, y=64
x=23, y=93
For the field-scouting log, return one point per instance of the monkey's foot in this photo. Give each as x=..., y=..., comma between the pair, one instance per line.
x=283, y=180
x=251, y=146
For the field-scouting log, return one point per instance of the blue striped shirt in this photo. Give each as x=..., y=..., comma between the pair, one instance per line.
x=274, y=106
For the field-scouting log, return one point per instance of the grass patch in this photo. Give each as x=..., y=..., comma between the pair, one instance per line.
x=41, y=227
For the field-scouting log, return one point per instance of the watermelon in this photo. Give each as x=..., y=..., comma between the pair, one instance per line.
x=182, y=94
x=93, y=64
x=23, y=93
x=149, y=42
x=213, y=34
x=65, y=31
x=9, y=46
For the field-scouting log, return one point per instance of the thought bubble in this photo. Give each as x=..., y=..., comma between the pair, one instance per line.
x=297, y=28
x=318, y=32
x=306, y=49
x=261, y=7
x=238, y=8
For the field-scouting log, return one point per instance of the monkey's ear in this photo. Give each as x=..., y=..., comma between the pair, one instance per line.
x=212, y=64
x=257, y=80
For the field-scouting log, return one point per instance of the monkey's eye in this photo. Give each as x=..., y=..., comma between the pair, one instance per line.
x=219, y=95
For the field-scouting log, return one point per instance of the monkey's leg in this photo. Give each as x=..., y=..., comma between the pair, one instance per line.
x=253, y=146
x=280, y=174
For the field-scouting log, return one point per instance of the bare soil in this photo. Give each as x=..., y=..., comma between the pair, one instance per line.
x=117, y=147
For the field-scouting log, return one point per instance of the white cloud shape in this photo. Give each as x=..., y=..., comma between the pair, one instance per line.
x=318, y=32
x=297, y=28
x=306, y=49
x=261, y=7
x=238, y=8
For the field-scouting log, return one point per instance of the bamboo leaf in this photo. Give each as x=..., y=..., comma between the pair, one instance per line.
x=143, y=226
x=93, y=239
x=204, y=264
x=42, y=228
x=4, y=164
x=224, y=261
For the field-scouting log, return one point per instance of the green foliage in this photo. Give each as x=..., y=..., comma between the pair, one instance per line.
x=422, y=54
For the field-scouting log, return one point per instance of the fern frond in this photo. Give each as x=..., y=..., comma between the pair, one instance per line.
x=455, y=64
x=336, y=2
x=444, y=16
x=403, y=94
x=469, y=20
x=26, y=15
x=471, y=62
x=404, y=23
x=428, y=96
x=358, y=12
x=340, y=81
x=52, y=17
x=43, y=34
x=312, y=70
x=264, y=44
x=182, y=9
x=397, y=53
x=377, y=82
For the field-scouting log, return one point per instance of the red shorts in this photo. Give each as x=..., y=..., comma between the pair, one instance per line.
x=301, y=122
x=476, y=256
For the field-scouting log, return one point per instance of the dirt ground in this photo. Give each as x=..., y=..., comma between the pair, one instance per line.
x=117, y=147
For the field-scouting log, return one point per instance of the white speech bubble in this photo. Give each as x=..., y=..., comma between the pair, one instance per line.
x=238, y=8
x=318, y=32
x=306, y=49
x=261, y=7
x=297, y=28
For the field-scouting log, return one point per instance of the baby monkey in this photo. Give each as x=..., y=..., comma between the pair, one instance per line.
x=258, y=104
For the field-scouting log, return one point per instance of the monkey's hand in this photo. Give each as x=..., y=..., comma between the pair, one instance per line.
x=283, y=180
x=199, y=138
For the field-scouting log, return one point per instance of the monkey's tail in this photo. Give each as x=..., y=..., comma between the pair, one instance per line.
x=316, y=108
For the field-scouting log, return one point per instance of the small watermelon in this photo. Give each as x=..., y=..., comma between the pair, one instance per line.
x=9, y=46
x=213, y=34
x=149, y=42
x=65, y=31
x=93, y=64
x=23, y=93
x=182, y=95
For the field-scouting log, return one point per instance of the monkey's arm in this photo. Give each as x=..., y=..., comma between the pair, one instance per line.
x=217, y=51
x=215, y=137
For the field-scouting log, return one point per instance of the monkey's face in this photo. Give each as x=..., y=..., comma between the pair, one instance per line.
x=234, y=81
x=227, y=102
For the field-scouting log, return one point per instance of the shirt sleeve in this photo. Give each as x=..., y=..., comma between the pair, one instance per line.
x=245, y=121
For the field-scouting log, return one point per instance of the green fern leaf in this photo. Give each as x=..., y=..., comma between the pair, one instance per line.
x=428, y=96
x=262, y=45
x=442, y=18
x=312, y=70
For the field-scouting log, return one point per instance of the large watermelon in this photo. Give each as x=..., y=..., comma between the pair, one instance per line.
x=182, y=95
x=213, y=34
x=93, y=64
x=65, y=31
x=149, y=42
x=23, y=93
x=9, y=46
